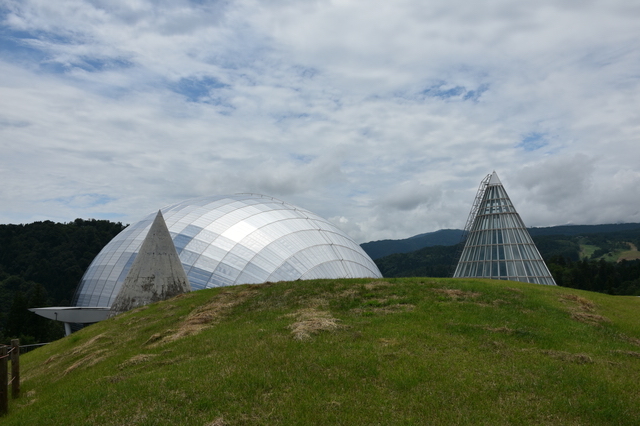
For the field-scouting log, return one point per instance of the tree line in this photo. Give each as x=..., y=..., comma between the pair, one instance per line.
x=565, y=256
x=620, y=278
x=41, y=264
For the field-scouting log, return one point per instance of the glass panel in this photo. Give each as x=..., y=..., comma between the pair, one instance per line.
x=503, y=269
x=472, y=254
x=188, y=257
x=214, y=252
x=494, y=269
x=197, y=245
x=256, y=271
x=484, y=269
x=507, y=252
x=243, y=252
x=181, y=241
x=482, y=253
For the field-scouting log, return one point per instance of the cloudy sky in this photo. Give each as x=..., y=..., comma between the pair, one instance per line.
x=382, y=116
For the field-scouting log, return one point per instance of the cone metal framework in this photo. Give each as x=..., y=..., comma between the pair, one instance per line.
x=498, y=245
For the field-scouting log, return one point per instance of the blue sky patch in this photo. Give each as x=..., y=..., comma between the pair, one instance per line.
x=16, y=44
x=533, y=141
x=301, y=158
x=33, y=47
x=460, y=92
x=101, y=64
x=26, y=39
x=306, y=72
x=474, y=95
x=438, y=92
x=85, y=200
x=195, y=89
x=291, y=116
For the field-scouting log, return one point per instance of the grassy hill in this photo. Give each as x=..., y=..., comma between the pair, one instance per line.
x=399, y=351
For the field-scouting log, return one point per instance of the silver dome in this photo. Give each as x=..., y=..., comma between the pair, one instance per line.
x=231, y=240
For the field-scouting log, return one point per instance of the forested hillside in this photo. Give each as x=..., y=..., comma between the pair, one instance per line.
x=40, y=265
x=606, y=262
x=382, y=248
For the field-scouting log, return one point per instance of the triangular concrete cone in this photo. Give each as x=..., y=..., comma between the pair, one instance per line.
x=156, y=273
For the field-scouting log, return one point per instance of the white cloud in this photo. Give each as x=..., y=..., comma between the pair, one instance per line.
x=382, y=115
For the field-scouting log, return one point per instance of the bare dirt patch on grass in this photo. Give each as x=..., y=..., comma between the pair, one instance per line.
x=90, y=345
x=456, y=294
x=388, y=342
x=494, y=304
x=632, y=340
x=204, y=316
x=503, y=329
x=136, y=360
x=218, y=422
x=584, y=304
x=569, y=357
x=350, y=292
x=383, y=310
x=311, y=321
x=51, y=359
x=138, y=322
x=583, y=310
x=579, y=358
x=629, y=353
x=87, y=361
x=377, y=284
x=320, y=301
x=89, y=353
x=587, y=318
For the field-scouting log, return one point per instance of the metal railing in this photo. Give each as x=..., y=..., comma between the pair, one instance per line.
x=470, y=219
x=26, y=348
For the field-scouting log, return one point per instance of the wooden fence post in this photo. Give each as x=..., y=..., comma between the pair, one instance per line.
x=15, y=368
x=4, y=388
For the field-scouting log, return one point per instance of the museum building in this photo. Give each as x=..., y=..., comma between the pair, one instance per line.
x=231, y=240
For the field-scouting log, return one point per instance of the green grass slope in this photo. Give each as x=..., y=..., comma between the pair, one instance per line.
x=347, y=352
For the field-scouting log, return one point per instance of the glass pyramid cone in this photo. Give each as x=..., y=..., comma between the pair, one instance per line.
x=498, y=245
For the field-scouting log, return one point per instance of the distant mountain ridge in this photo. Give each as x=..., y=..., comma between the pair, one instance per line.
x=450, y=237
x=382, y=248
x=583, y=229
